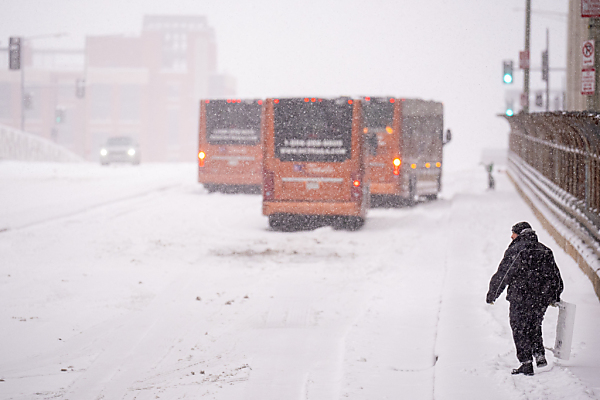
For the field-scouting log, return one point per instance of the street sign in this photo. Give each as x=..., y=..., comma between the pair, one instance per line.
x=524, y=59
x=587, y=51
x=590, y=8
x=524, y=100
x=588, y=81
x=539, y=99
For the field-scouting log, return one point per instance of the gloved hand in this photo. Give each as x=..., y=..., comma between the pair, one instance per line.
x=489, y=299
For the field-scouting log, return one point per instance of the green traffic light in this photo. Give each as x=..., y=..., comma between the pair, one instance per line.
x=509, y=112
x=508, y=78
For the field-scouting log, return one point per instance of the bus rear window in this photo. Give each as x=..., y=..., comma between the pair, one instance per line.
x=233, y=123
x=378, y=113
x=313, y=131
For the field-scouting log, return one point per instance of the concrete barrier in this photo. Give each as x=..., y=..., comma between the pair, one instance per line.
x=23, y=146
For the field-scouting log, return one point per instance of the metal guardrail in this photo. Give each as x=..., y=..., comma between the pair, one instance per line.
x=564, y=148
x=561, y=204
x=555, y=160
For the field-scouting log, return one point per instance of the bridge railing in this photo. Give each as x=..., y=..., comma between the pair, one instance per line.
x=554, y=159
x=23, y=146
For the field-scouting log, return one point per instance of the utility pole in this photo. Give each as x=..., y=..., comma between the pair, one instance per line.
x=526, y=69
x=546, y=69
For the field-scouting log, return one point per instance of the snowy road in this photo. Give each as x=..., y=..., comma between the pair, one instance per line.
x=135, y=283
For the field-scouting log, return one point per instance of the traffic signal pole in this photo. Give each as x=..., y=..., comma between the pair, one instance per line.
x=526, y=70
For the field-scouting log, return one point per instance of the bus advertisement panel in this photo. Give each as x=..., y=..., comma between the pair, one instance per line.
x=405, y=157
x=313, y=171
x=229, y=150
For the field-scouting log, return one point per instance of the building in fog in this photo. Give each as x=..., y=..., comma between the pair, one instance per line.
x=145, y=86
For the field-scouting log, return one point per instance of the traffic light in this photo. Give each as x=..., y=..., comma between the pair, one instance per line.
x=14, y=49
x=509, y=109
x=508, y=72
x=80, y=88
x=545, y=66
x=59, y=115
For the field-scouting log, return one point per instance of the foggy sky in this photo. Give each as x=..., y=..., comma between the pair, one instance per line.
x=449, y=51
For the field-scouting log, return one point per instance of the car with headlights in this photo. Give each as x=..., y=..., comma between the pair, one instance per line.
x=120, y=149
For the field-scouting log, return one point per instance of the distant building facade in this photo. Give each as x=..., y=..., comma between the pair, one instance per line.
x=146, y=86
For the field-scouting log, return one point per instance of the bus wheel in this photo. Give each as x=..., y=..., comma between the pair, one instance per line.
x=210, y=187
x=349, y=223
x=280, y=222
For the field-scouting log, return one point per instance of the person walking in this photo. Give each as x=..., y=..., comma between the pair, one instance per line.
x=534, y=282
x=489, y=168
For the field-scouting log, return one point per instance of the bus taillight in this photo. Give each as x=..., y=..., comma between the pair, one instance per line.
x=268, y=185
x=397, y=162
x=356, y=190
x=201, y=158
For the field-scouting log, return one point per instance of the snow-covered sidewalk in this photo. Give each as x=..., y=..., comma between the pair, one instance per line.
x=135, y=283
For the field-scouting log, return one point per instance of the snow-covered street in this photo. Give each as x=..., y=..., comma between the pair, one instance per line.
x=128, y=282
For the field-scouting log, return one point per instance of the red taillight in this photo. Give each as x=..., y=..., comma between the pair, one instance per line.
x=313, y=100
x=229, y=100
x=260, y=102
x=276, y=101
x=268, y=185
x=207, y=101
x=306, y=100
x=392, y=100
x=397, y=162
x=367, y=98
x=201, y=158
x=356, y=189
x=349, y=101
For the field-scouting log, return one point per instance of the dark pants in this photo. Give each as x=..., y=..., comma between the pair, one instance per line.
x=526, y=323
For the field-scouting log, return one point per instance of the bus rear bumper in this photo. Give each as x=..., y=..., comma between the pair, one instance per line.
x=230, y=179
x=390, y=189
x=314, y=208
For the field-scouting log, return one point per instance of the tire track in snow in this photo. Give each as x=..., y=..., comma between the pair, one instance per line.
x=91, y=208
x=391, y=348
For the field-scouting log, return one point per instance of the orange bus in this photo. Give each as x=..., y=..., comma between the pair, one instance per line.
x=229, y=145
x=405, y=158
x=313, y=170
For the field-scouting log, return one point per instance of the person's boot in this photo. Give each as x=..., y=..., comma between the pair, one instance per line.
x=540, y=360
x=526, y=368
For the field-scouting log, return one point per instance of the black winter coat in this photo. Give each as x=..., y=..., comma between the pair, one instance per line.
x=530, y=272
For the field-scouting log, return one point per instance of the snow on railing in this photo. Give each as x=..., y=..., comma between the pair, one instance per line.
x=23, y=146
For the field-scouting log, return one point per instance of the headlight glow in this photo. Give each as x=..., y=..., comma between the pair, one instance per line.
x=131, y=152
x=103, y=152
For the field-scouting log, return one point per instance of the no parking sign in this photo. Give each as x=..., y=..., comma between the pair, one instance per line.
x=587, y=51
